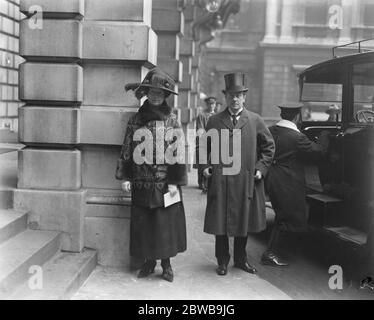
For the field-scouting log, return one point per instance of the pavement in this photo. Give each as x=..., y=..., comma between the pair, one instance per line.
x=194, y=270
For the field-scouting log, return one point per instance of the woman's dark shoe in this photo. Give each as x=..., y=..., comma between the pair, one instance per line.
x=167, y=273
x=147, y=268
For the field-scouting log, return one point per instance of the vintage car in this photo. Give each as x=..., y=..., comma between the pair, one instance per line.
x=340, y=186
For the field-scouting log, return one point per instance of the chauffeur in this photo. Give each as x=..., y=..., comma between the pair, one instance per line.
x=236, y=202
x=285, y=181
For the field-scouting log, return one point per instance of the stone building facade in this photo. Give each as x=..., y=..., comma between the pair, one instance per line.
x=78, y=55
x=9, y=62
x=273, y=40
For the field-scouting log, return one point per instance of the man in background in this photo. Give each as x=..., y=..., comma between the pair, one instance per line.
x=201, y=122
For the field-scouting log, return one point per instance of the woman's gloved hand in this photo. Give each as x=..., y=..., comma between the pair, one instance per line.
x=173, y=189
x=126, y=186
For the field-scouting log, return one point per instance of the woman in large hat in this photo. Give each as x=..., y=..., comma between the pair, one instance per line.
x=156, y=231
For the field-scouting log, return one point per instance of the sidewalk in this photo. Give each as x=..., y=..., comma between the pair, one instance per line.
x=194, y=270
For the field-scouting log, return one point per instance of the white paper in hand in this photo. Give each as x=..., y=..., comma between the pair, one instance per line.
x=169, y=200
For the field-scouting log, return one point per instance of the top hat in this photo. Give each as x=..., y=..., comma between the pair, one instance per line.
x=210, y=100
x=235, y=82
x=155, y=78
x=333, y=109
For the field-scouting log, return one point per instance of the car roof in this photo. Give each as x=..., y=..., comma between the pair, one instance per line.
x=326, y=67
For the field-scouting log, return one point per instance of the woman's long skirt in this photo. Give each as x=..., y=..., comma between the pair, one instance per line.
x=157, y=233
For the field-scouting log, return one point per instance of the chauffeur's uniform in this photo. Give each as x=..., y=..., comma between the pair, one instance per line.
x=285, y=182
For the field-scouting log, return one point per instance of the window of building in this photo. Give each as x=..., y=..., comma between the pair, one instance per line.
x=368, y=13
x=316, y=12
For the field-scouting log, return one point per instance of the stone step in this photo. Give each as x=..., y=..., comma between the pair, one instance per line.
x=18, y=254
x=63, y=275
x=12, y=222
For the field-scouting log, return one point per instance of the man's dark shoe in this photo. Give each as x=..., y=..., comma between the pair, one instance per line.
x=246, y=267
x=272, y=259
x=222, y=269
x=167, y=273
x=147, y=268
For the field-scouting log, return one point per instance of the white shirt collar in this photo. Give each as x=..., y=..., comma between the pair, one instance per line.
x=231, y=113
x=287, y=124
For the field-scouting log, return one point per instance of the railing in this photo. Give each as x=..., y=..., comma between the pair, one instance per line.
x=359, y=46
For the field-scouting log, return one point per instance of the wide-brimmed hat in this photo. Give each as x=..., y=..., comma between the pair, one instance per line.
x=333, y=109
x=155, y=78
x=235, y=82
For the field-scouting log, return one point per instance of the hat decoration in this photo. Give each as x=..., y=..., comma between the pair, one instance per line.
x=155, y=78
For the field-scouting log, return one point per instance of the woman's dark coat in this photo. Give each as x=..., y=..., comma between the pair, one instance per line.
x=155, y=232
x=285, y=182
x=236, y=203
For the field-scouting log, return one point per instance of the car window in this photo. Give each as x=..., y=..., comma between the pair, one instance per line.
x=363, y=93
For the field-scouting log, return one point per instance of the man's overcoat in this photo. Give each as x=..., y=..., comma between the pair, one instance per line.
x=236, y=203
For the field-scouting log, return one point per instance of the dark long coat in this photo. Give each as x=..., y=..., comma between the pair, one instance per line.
x=236, y=203
x=155, y=232
x=285, y=181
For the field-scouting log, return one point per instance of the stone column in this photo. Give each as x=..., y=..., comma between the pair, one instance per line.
x=168, y=23
x=76, y=113
x=286, y=22
x=345, y=32
x=271, y=21
x=356, y=18
x=187, y=98
x=196, y=60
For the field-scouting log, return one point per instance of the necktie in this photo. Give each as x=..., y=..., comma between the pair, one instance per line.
x=234, y=118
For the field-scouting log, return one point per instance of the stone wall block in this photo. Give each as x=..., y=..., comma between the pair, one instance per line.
x=49, y=125
x=51, y=169
x=113, y=42
x=104, y=85
x=40, y=44
x=99, y=167
x=173, y=67
x=169, y=46
x=187, y=47
x=168, y=20
x=51, y=83
x=119, y=10
x=62, y=211
x=110, y=237
x=54, y=9
x=104, y=125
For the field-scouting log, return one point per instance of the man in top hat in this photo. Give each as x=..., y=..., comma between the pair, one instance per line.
x=236, y=201
x=201, y=122
x=285, y=181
